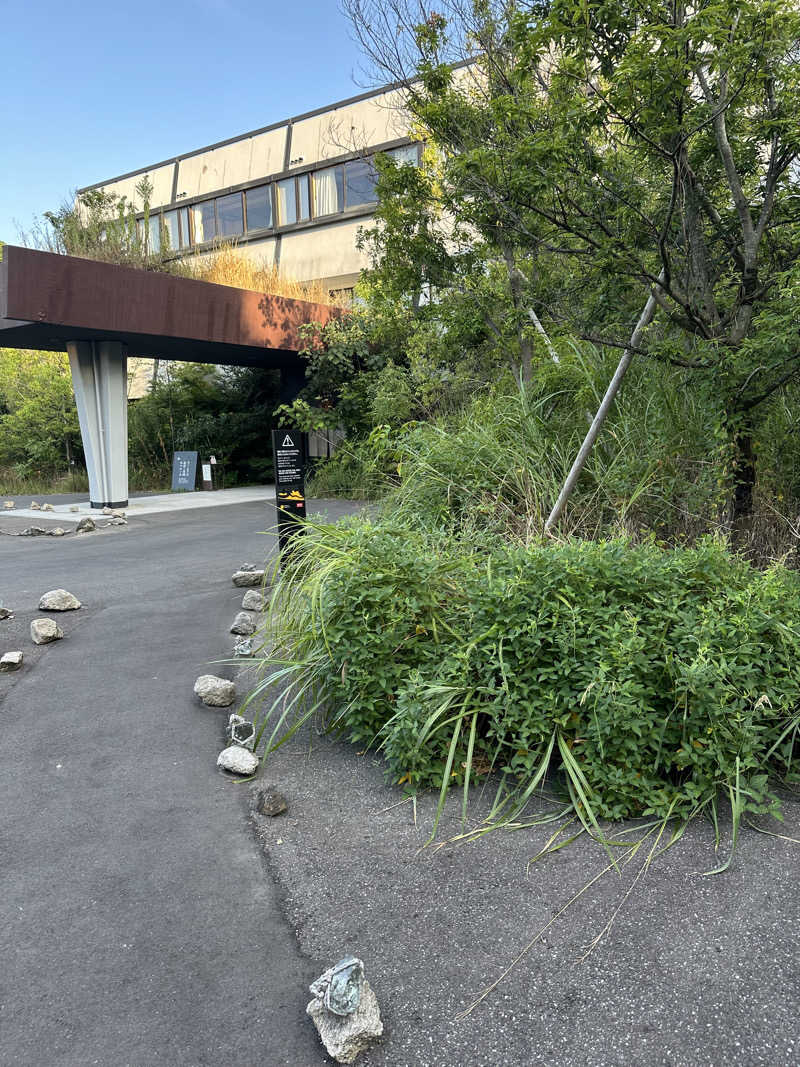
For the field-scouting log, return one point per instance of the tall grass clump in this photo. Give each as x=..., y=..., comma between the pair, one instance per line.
x=228, y=265
x=498, y=464
x=643, y=682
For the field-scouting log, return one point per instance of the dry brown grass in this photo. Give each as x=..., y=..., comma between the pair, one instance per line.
x=228, y=265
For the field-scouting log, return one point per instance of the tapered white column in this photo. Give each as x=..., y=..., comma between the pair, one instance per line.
x=100, y=380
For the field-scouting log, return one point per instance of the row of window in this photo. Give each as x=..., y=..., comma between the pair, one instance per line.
x=324, y=192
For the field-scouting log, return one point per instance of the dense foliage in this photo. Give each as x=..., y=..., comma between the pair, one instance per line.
x=656, y=681
x=39, y=432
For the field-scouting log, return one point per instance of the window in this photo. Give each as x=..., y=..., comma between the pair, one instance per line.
x=175, y=229
x=230, y=220
x=154, y=234
x=287, y=202
x=204, y=222
x=303, y=209
x=259, y=207
x=359, y=183
x=407, y=153
x=328, y=191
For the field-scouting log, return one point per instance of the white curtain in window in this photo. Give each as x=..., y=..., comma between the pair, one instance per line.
x=197, y=219
x=326, y=198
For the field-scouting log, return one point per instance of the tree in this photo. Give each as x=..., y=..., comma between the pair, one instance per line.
x=627, y=152
x=39, y=428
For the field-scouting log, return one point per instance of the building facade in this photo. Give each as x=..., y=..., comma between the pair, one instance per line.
x=292, y=195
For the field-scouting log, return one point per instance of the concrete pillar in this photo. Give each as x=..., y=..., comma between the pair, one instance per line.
x=100, y=380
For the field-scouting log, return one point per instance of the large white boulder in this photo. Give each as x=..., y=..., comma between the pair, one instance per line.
x=254, y=601
x=243, y=578
x=59, y=600
x=244, y=624
x=237, y=760
x=11, y=661
x=43, y=631
x=215, y=692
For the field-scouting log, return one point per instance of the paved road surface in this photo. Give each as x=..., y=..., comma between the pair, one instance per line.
x=138, y=924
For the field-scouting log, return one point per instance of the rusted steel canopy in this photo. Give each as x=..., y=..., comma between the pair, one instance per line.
x=47, y=300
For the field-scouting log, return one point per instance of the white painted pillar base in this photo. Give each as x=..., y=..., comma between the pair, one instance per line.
x=100, y=380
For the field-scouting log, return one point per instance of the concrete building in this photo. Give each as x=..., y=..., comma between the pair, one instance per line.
x=292, y=195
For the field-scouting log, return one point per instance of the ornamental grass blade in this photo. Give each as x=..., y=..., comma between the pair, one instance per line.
x=580, y=787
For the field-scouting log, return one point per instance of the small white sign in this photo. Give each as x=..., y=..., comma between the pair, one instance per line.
x=213, y=459
x=206, y=472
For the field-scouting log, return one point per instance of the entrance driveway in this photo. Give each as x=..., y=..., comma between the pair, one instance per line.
x=138, y=922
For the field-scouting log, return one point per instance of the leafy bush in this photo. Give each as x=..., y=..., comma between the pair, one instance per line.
x=654, y=681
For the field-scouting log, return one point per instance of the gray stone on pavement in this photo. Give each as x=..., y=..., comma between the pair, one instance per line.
x=244, y=624
x=238, y=760
x=47, y=507
x=215, y=692
x=243, y=578
x=59, y=600
x=43, y=631
x=6, y=613
x=57, y=531
x=345, y=1036
x=270, y=802
x=11, y=661
x=85, y=525
x=33, y=506
x=244, y=647
x=32, y=531
x=254, y=601
x=9, y=505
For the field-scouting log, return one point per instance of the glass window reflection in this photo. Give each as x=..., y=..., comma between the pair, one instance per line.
x=259, y=207
x=230, y=218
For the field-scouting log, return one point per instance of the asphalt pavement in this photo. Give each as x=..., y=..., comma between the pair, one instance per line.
x=138, y=924
x=147, y=916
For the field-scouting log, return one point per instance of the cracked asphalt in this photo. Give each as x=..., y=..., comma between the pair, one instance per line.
x=144, y=922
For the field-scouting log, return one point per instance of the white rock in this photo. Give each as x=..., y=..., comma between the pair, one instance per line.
x=9, y=505
x=47, y=507
x=59, y=600
x=106, y=510
x=74, y=507
x=215, y=692
x=34, y=506
x=347, y=1036
x=43, y=631
x=117, y=513
x=57, y=531
x=254, y=601
x=242, y=578
x=11, y=661
x=238, y=760
x=117, y=522
x=244, y=624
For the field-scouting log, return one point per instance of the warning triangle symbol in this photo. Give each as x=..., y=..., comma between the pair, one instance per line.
x=287, y=442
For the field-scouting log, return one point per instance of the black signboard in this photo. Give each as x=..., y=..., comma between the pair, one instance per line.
x=184, y=471
x=289, y=450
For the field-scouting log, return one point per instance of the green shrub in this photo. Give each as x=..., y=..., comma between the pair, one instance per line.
x=654, y=681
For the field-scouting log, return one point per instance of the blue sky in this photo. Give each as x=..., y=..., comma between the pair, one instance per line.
x=94, y=90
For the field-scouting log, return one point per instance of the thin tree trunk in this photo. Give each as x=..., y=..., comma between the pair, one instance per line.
x=645, y=319
x=742, y=504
